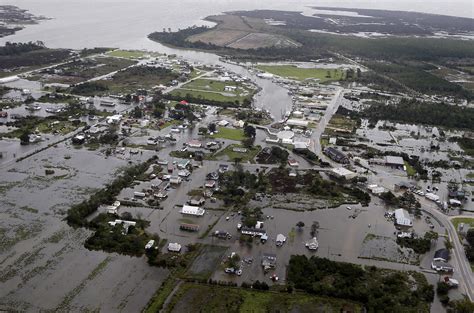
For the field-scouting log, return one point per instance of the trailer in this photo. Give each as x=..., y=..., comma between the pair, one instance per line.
x=189, y=227
x=139, y=194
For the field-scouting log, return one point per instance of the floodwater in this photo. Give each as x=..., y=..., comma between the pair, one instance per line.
x=44, y=265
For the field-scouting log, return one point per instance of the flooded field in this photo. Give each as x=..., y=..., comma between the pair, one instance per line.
x=44, y=263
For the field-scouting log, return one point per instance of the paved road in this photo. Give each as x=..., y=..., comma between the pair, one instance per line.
x=460, y=261
x=323, y=122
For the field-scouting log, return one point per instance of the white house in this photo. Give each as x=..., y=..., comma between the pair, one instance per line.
x=174, y=247
x=175, y=180
x=194, y=144
x=114, y=119
x=341, y=172
x=192, y=210
x=402, y=218
x=184, y=173
x=112, y=209
x=239, y=124
x=230, y=88
x=223, y=123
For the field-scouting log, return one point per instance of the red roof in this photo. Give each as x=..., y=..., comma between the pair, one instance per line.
x=184, y=102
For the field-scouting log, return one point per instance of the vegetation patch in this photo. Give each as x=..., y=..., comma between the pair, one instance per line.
x=239, y=153
x=412, y=111
x=209, y=298
x=299, y=73
x=77, y=214
x=229, y=133
x=377, y=289
x=118, y=238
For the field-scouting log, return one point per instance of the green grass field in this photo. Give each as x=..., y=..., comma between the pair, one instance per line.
x=466, y=220
x=207, y=298
x=128, y=54
x=229, y=133
x=206, y=95
x=293, y=72
x=410, y=170
x=249, y=156
x=214, y=90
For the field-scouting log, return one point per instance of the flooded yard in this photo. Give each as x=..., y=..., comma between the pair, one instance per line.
x=44, y=263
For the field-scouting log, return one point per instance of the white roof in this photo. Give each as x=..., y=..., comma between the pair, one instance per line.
x=280, y=238
x=394, y=160
x=285, y=134
x=341, y=171
x=192, y=210
x=174, y=246
x=300, y=145
x=296, y=122
x=402, y=217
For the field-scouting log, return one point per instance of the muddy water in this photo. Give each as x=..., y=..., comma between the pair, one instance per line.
x=44, y=263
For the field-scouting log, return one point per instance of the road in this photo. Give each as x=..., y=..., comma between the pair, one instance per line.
x=323, y=122
x=461, y=263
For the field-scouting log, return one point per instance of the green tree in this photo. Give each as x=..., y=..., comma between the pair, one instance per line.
x=250, y=131
x=461, y=306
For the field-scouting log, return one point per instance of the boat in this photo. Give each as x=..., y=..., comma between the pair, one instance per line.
x=312, y=244
x=53, y=110
x=106, y=103
x=33, y=107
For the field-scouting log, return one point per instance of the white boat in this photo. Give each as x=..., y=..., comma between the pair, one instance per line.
x=312, y=244
x=33, y=107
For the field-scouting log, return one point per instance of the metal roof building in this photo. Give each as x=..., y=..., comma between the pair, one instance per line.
x=402, y=218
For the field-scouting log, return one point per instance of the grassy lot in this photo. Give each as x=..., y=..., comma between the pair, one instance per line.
x=229, y=133
x=214, y=90
x=82, y=70
x=45, y=127
x=324, y=142
x=291, y=71
x=209, y=95
x=410, y=170
x=207, y=298
x=342, y=122
x=213, y=85
x=128, y=54
x=127, y=81
x=466, y=220
x=249, y=156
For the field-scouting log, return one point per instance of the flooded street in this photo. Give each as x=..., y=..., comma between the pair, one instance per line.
x=43, y=263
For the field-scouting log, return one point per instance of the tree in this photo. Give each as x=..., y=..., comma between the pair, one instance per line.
x=137, y=112
x=249, y=131
x=25, y=138
x=212, y=128
x=442, y=288
x=461, y=306
x=248, y=142
x=431, y=235
x=300, y=224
